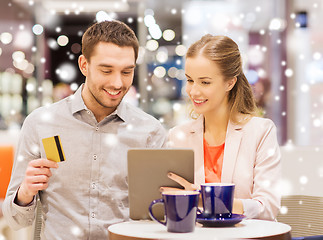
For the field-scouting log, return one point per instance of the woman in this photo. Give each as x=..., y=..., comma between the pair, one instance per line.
x=230, y=143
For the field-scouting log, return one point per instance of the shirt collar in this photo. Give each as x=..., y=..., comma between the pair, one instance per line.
x=121, y=111
x=78, y=104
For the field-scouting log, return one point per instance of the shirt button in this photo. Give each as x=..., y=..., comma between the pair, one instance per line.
x=92, y=215
x=97, y=129
x=95, y=156
x=93, y=185
x=30, y=220
x=88, y=112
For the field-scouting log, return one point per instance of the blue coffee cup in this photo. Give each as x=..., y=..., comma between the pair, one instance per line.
x=217, y=199
x=180, y=210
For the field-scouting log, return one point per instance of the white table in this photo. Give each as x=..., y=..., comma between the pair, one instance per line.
x=247, y=229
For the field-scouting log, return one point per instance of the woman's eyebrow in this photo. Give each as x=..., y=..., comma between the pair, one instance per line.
x=198, y=77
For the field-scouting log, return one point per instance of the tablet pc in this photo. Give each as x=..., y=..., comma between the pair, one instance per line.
x=147, y=172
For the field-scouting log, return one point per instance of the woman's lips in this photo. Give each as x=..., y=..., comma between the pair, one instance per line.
x=198, y=101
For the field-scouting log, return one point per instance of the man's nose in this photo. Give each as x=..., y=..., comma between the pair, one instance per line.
x=117, y=81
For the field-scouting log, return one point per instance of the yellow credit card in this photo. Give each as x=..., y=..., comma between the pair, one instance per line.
x=53, y=149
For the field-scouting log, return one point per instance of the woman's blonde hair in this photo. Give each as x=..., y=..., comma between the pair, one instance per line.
x=225, y=53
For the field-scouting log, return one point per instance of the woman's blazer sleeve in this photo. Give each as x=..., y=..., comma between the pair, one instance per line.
x=267, y=175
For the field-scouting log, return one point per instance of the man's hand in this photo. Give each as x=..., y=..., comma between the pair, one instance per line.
x=36, y=178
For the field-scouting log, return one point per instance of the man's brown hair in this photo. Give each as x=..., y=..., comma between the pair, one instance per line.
x=115, y=32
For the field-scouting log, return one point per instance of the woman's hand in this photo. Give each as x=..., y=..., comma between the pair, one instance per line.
x=237, y=203
x=237, y=206
x=181, y=181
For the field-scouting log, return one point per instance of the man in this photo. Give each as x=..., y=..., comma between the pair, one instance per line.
x=86, y=193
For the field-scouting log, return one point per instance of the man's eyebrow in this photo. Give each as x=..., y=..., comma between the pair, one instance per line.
x=130, y=67
x=110, y=66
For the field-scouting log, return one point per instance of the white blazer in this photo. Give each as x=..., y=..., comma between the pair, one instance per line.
x=251, y=161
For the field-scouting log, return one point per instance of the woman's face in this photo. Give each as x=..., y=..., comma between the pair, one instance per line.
x=206, y=86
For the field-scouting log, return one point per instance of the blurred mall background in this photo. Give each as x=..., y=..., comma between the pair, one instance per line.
x=281, y=43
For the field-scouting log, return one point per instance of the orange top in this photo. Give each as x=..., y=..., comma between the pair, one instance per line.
x=6, y=161
x=213, y=160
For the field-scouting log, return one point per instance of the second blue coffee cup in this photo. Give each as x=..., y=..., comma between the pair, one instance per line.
x=217, y=199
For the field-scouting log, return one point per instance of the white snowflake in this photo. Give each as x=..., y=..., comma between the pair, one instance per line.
x=149, y=88
x=46, y=116
x=76, y=231
x=289, y=72
x=284, y=210
x=320, y=172
x=20, y=158
x=181, y=135
x=265, y=184
x=305, y=88
x=271, y=152
x=302, y=129
x=111, y=139
x=177, y=107
x=303, y=180
x=284, y=187
x=129, y=127
x=317, y=122
x=35, y=149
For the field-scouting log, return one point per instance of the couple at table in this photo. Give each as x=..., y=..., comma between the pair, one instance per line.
x=85, y=194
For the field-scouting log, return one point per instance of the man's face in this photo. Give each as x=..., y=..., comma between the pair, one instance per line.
x=109, y=74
